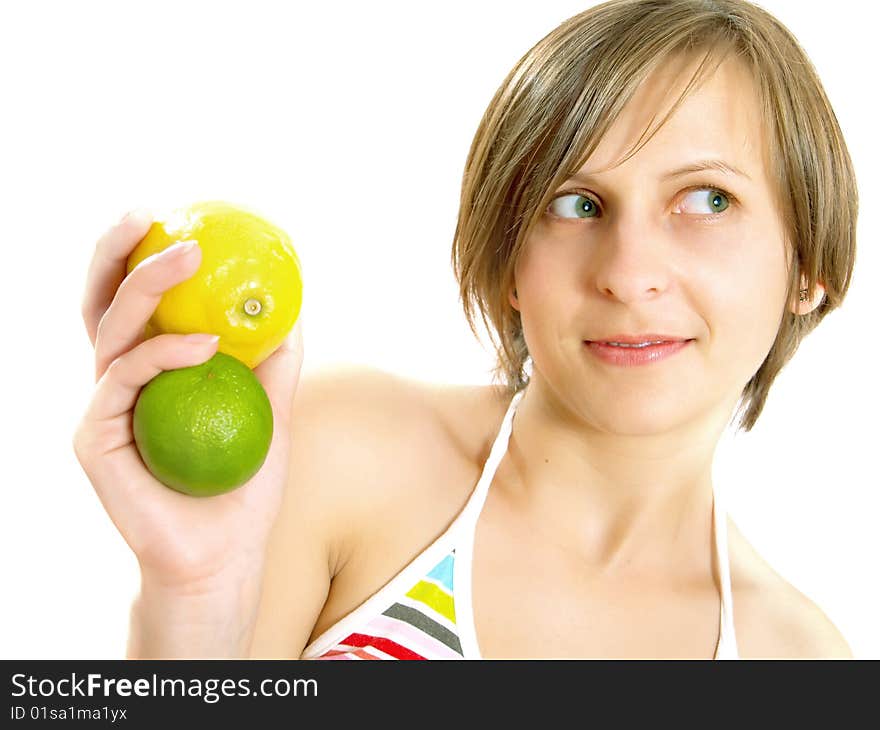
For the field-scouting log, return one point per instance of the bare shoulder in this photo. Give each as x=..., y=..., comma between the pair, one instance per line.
x=387, y=420
x=359, y=428
x=396, y=452
x=773, y=619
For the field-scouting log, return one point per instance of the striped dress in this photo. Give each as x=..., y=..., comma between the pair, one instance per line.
x=426, y=611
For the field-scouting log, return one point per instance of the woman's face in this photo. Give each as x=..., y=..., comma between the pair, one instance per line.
x=648, y=247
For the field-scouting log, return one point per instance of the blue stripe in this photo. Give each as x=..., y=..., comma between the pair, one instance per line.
x=442, y=572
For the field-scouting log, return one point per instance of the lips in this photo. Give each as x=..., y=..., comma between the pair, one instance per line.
x=640, y=350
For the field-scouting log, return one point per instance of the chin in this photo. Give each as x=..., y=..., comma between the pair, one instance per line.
x=642, y=407
x=639, y=413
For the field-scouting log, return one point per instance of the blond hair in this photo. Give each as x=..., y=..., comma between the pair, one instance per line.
x=557, y=102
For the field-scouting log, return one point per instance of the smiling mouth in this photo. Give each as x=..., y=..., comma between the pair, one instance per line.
x=643, y=352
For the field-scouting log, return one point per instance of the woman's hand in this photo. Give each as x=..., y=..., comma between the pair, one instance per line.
x=194, y=553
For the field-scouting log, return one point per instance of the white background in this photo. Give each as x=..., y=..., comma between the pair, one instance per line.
x=348, y=124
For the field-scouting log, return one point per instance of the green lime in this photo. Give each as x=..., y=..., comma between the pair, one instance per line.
x=206, y=429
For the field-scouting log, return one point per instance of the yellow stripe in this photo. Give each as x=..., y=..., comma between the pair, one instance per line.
x=434, y=596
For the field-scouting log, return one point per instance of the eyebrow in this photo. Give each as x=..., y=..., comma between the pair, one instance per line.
x=702, y=165
x=696, y=166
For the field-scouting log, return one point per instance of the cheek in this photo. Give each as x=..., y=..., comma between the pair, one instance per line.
x=541, y=274
x=750, y=286
x=547, y=289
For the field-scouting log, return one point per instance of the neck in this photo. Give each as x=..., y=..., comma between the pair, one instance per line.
x=624, y=502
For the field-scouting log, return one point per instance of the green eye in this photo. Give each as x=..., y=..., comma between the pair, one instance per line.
x=573, y=206
x=705, y=201
x=718, y=201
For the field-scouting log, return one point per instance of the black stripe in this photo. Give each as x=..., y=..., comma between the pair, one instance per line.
x=426, y=624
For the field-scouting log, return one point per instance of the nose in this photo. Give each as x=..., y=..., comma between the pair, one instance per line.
x=632, y=261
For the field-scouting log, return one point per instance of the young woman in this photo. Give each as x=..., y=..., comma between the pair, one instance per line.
x=657, y=207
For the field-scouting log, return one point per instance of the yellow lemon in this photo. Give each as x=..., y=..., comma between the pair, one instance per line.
x=248, y=288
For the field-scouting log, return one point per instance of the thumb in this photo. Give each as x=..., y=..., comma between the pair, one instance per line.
x=279, y=373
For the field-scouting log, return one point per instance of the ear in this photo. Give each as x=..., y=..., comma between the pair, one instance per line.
x=805, y=307
x=511, y=297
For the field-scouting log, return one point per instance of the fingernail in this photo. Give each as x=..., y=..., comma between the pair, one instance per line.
x=202, y=339
x=180, y=248
x=138, y=215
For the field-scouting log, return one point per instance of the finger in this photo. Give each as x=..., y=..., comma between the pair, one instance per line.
x=122, y=326
x=279, y=374
x=294, y=341
x=118, y=389
x=107, y=267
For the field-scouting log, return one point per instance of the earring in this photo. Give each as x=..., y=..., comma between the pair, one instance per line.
x=804, y=295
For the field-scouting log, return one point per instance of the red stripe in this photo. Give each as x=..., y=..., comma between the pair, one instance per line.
x=386, y=645
x=366, y=655
x=332, y=652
